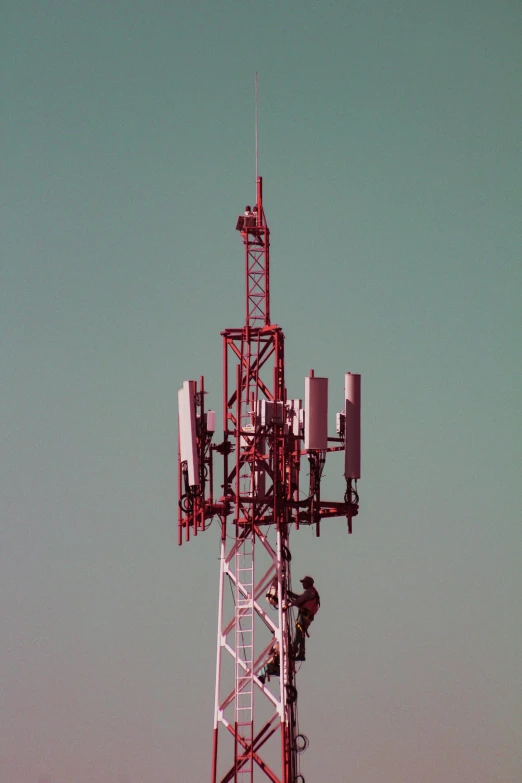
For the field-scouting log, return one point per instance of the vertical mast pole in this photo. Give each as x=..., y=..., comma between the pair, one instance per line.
x=257, y=138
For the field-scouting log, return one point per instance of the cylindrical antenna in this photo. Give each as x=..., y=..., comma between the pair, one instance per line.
x=257, y=143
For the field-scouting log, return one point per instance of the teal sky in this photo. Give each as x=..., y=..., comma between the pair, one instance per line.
x=391, y=156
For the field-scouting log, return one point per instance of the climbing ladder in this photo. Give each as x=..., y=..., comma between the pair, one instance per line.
x=244, y=596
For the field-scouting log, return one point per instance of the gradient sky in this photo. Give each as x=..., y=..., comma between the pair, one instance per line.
x=391, y=156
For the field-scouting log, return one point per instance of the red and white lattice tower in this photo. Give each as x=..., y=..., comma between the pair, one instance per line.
x=265, y=435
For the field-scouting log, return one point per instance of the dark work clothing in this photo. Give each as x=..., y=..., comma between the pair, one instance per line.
x=307, y=595
x=308, y=605
x=309, y=599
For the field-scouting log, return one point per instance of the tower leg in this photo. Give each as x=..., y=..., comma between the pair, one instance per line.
x=218, y=660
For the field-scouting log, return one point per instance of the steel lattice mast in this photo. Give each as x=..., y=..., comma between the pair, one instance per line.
x=256, y=734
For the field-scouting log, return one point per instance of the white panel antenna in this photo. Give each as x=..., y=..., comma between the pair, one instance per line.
x=316, y=414
x=187, y=431
x=352, y=424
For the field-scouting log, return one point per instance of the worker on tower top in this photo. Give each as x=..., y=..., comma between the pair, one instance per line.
x=308, y=603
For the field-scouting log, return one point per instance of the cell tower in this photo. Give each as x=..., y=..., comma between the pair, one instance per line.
x=266, y=435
